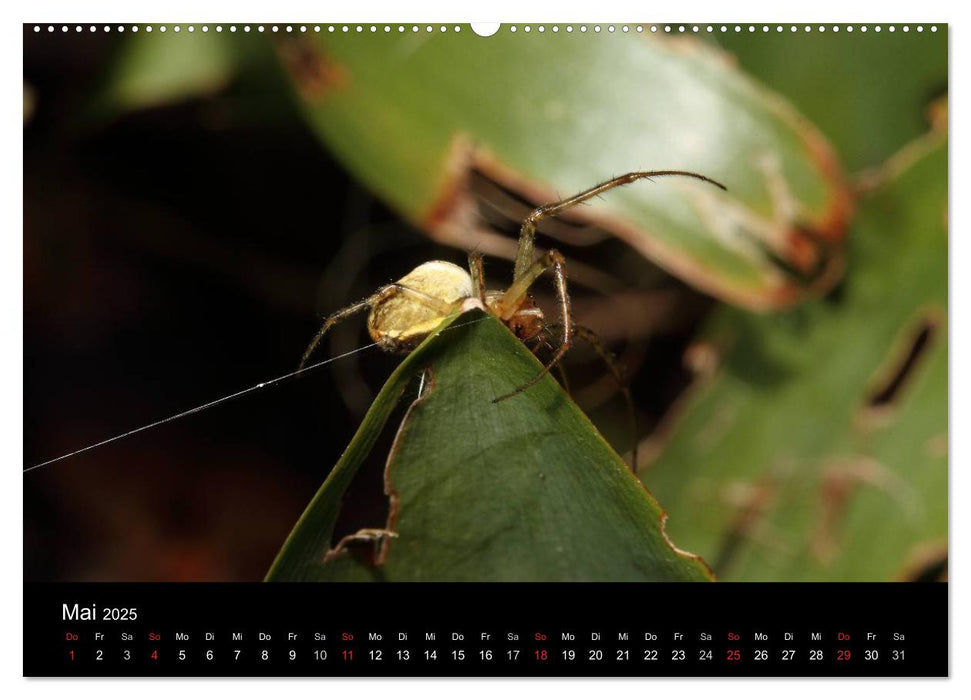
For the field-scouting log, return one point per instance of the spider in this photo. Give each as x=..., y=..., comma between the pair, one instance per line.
x=404, y=313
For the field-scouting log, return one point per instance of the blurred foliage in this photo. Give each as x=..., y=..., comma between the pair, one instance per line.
x=867, y=91
x=155, y=68
x=520, y=490
x=817, y=450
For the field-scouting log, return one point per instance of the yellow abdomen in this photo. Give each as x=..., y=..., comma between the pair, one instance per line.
x=404, y=317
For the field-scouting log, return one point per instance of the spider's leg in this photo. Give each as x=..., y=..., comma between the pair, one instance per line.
x=552, y=260
x=611, y=362
x=329, y=323
x=338, y=316
x=527, y=232
x=510, y=302
x=478, y=276
x=564, y=380
x=542, y=340
x=433, y=303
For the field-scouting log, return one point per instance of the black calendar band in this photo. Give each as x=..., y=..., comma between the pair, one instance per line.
x=580, y=629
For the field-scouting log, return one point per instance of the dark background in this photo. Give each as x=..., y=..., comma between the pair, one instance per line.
x=181, y=253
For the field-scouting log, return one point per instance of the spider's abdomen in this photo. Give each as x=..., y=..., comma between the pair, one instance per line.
x=418, y=304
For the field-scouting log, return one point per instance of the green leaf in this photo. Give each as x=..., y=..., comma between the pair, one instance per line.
x=877, y=86
x=817, y=450
x=239, y=72
x=522, y=490
x=152, y=69
x=412, y=115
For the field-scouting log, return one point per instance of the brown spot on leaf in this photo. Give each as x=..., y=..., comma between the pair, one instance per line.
x=691, y=45
x=832, y=224
x=888, y=393
x=874, y=178
x=751, y=502
x=927, y=562
x=936, y=446
x=312, y=72
x=834, y=495
x=701, y=358
x=896, y=373
x=937, y=114
x=453, y=205
x=840, y=482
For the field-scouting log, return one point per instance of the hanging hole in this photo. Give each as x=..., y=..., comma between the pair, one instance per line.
x=485, y=28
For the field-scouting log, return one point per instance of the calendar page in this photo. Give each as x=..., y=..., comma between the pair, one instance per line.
x=545, y=349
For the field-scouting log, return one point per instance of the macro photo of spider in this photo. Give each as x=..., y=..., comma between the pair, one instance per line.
x=403, y=313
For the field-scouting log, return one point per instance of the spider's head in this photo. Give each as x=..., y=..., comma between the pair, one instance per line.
x=527, y=322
